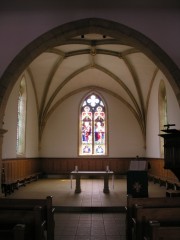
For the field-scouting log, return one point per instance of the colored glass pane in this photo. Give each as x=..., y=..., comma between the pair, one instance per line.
x=93, y=126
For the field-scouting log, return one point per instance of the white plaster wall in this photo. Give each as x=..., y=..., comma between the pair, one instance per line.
x=60, y=138
x=173, y=109
x=10, y=124
x=125, y=136
x=173, y=113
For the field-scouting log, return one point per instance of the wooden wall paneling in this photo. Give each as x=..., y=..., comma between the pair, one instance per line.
x=13, y=176
x=12, y=172
x=7, y=171
x=107, y=162
x=16, y=170
x=64, y=166
x=99, y=165
x=84, y=164
x=30, y=164
x=33, y=163
x=91, y=164
x=51, y=165
x=25, y=167
x=71, y=162
x=115, y=165
x=5, y=164
x=57, y=166
x=112, y=163
x=44, y=165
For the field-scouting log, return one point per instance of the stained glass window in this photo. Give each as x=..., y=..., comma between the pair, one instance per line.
x=21, y=122
x=93, y=126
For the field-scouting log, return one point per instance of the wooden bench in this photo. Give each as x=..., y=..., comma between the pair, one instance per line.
x=173, y=193
x=9, y=185
x=164, y=181
x=172, y=184
x=32, y=219
x=146, y=202
x=29, y=204
x=143, y=215
x=17, y=232
x=163, y=231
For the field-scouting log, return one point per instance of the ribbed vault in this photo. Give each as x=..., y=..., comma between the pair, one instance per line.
x=92, y=54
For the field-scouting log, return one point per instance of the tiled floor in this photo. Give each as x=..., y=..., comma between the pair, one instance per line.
x=90, y=226
x=91, y=195
x=74, y=217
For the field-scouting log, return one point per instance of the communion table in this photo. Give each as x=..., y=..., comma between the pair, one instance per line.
x=79, y=174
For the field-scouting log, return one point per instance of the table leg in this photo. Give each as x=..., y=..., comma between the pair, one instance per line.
x=106, y=183
x=78, y=184
x=71, y=177
x=113, y=181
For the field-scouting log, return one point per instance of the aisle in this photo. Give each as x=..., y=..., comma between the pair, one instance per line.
x=90, y=226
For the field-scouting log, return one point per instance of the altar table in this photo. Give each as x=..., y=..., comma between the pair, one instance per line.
x=105, y=174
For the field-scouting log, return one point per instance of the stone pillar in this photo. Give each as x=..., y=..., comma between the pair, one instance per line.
x=2, y=132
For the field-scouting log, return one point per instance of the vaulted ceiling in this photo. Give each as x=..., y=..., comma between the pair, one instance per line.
x=92, y=61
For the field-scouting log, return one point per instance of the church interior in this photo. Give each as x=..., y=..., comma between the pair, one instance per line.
x=90, y=120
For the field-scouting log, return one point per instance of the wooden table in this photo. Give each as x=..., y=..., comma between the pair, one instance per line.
x=105, y=174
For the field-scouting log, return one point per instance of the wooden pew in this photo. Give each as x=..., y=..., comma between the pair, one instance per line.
x=9, y=185
x=146, y=202
x=17, y=232
x=32, y=219
x=143, y=215
x=166, y=231
x=29, y=204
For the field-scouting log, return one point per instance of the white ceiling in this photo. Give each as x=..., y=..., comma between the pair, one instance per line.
x=92, y=61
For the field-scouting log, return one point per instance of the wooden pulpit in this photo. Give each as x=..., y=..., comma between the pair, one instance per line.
x=172, y=150
x=137, y=179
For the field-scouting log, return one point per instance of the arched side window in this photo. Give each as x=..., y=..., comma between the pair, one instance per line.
x=162, y=113
x=21, y=121
x=93, y=122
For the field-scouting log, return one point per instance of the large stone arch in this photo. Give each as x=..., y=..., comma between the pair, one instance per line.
x=61, y=34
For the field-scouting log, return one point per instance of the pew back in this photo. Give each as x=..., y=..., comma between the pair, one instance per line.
x=167, y=231
x=17, y=232
x=143, y=215
x=32, y=219
x=146, y=202
x=28, y=204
